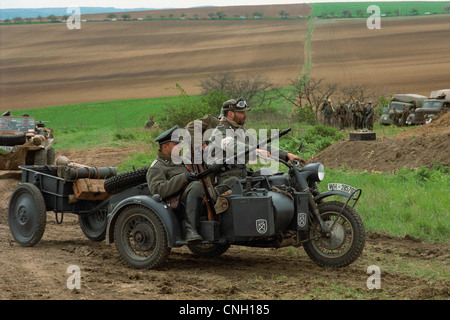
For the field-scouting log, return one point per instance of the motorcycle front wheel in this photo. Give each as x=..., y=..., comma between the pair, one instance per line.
x=345, y=241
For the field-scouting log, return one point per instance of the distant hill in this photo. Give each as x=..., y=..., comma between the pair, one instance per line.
x=45, y=12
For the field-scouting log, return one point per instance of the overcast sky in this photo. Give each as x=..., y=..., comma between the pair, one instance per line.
x=7, y=4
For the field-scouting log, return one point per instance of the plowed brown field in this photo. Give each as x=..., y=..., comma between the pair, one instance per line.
x=408, y=55
x=52, y=65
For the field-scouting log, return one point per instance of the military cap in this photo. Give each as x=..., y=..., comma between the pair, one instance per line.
x=169, y=136
x=236, y=105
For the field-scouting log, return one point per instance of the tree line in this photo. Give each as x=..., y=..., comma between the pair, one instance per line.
x=126, y=16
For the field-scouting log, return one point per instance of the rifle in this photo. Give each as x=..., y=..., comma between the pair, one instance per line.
x=210, y=194
x=216, y=168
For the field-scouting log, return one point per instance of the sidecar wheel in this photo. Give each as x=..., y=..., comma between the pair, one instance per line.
x=27, y=216
x=141, y=238
x=94, y=226
x=347, y=239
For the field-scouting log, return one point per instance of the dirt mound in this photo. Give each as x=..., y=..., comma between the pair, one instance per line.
x=423, y=145
x=439, y=126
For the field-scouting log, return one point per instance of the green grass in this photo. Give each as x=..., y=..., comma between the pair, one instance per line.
x=119, y=114
x=107, y=123
x=405, y=7
x=409, y=202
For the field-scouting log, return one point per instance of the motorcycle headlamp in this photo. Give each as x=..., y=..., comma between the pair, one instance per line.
x=317, y=171
x=320, y=172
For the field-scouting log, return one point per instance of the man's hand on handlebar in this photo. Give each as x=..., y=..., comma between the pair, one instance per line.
x=295, y=159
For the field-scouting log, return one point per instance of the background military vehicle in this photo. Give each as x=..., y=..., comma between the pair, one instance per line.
x=439, y=101
x=24, y=142
x=411, y=101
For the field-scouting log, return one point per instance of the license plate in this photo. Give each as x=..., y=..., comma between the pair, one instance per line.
x=341, y=187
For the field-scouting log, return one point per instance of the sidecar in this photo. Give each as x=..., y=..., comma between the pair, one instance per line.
x=261, y=211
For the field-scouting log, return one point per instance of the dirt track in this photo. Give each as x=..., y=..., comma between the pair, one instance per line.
x=40, y=272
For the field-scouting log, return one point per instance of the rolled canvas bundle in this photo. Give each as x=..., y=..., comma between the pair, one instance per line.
x=68, y=173
x=69, y=170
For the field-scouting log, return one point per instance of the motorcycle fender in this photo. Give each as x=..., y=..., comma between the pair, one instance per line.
x=324, y=195
x=166, y=215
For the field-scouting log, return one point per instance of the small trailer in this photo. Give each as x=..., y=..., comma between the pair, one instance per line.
x=60, y=189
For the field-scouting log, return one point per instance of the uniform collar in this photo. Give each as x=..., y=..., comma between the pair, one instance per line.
x=169, y=159
x=164, y=157
x=231, y=123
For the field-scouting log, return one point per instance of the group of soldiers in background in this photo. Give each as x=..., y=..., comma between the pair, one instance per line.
x=399, y=118
x=358, y=115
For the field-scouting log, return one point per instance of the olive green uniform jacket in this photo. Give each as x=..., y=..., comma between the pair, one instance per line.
x=220, y=142
x=202, y=125
x=166, y=178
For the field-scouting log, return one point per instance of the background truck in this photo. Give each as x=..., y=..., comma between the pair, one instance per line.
x=439, y=101
x=411, y=101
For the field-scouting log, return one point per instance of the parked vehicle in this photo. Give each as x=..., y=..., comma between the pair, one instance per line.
x=24, y=142
x=411, y=101
x=439, y=101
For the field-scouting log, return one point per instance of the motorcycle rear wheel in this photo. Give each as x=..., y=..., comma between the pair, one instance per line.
x=344, y=244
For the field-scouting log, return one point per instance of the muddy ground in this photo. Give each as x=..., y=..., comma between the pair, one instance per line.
x=408, y=266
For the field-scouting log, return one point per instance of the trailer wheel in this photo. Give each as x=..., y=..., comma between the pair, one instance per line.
x=27, y=214
x=141, y=238
x=94, y=225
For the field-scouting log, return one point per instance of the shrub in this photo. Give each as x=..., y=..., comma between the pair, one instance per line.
x=191, y=108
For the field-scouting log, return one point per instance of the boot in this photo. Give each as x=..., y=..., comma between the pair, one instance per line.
x=192, y=210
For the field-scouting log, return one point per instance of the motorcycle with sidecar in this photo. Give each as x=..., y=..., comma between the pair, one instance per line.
x=265, y=209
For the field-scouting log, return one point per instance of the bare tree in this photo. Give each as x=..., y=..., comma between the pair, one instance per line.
x=308, y=93
x=255, y=89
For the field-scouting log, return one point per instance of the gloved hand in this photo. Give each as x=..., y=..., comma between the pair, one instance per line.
x=191, y=177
